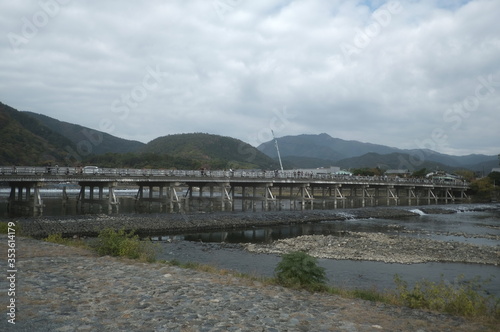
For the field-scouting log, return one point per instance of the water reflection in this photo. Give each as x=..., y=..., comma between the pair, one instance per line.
x=467, y=228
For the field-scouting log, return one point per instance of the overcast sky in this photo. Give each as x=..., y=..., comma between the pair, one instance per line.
x=407, y=74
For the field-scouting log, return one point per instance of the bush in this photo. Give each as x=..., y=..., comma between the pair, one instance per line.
x=121, y=243
x=300, y=270
x=6, y=225
x=3, y=227
x=465, y=298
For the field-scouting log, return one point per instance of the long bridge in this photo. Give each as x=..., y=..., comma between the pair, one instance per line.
x=187, y=190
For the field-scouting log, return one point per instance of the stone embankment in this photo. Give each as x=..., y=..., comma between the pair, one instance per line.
x=382, y=247
x=61, y=288
x=148, y=224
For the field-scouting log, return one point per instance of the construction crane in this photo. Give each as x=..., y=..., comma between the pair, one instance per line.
x=277, y=149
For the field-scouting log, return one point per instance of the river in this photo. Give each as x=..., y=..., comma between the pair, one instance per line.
x=223, y=249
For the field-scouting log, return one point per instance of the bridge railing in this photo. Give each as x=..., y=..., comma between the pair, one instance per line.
x=216, y=174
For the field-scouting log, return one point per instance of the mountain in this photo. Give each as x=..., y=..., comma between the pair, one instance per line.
x=29, y=138
x=212, y=150
x=321, y=146
x=314, y=150
x=86, y=140
x=388, y=161
x=26, y=141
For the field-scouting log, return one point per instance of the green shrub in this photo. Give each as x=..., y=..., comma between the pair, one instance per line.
x=121, y=243
x=3, y=227
x=464, y=298
x=299, y=269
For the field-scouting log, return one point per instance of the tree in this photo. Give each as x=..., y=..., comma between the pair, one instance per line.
x=482, y=189
x=466, y=174
x=420, y=173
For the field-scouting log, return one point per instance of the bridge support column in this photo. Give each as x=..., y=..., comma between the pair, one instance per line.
x=280, y=194
x=411, y=195
x=430, y=194
x=22, y=199
x=111, y=201
x=448, y=195
x=390, y=194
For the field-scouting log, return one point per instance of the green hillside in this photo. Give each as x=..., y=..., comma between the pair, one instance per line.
x=100, y=142
x=26, y=141
x=212, y=151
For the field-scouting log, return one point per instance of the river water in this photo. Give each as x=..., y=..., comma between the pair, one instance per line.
x=222, y=249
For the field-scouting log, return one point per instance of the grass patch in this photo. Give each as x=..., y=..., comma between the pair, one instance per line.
x=59, y=239
x=113, y=243
x=6, y=225
x=464, y=298
x=124, y=244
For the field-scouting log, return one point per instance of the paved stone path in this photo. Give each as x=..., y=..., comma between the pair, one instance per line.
x=62, y=288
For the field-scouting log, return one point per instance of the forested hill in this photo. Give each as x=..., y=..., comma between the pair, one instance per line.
x=99, y=142
x=211, y=150
x=33, y=139
x=26, y=141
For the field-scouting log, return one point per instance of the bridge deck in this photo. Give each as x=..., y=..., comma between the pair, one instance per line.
x=73, y=174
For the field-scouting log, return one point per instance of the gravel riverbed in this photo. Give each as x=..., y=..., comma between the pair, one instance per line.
x=382, y=247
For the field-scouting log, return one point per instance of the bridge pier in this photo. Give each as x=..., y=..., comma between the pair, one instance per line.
x=431, y=195
x=111, y=201
x=167, y=197
x=21, y=197
x=221, y=198
x=391, y=194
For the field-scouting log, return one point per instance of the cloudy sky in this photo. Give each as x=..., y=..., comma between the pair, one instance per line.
x=408, y=73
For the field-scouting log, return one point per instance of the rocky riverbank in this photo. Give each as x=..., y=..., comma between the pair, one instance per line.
x=382, y=247
x=61, y=288
x=150, y=224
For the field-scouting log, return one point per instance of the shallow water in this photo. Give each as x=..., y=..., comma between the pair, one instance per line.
x=222, y=250
x=345, y=273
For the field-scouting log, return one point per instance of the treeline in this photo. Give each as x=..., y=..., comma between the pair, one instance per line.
x=141, y=160
x=160, y=161
x=486, y=189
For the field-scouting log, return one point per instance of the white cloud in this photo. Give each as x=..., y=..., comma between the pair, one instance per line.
x=227, y=66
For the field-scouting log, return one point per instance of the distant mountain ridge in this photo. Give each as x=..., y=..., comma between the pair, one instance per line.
x=28, y=138
x=310, y=150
